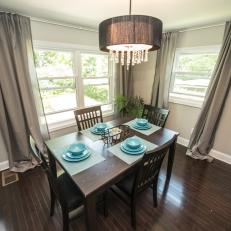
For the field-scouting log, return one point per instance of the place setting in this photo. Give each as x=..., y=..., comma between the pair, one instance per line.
x=76, y=152
x=143, y=126
x=132, y=149
x=95, y=133
x=77, y=157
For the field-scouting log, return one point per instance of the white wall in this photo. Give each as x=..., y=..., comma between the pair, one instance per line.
x=182, y=118
x=61, y=34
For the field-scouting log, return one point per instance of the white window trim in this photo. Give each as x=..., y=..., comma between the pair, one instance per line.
x=77, y=50
x=193, y=101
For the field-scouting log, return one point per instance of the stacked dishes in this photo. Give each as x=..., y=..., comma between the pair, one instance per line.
x=99, y=128
x=133, y=146
x=141, y=124
x=76, y=152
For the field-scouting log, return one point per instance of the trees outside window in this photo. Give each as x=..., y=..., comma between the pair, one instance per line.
x=66, y=84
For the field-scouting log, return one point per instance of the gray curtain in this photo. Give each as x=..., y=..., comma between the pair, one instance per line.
x=202, y=138
x=123, y=80
x=164, y=63
x=19, y=114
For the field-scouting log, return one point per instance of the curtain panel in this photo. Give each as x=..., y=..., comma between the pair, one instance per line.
x=202, y=138
x=164, y=64
x=123, y=80
x=19, y=112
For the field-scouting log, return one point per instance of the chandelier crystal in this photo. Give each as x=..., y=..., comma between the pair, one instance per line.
x=129, y=38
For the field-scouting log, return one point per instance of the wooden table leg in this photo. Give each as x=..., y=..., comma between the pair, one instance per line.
x=171, y=155
x=90, y=213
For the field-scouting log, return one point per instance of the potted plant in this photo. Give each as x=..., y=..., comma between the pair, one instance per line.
x=132, y=106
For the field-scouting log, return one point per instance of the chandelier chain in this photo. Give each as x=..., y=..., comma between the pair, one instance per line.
x=130, y=7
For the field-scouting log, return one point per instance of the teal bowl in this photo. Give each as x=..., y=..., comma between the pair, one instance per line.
x=142, y=122
x=77, y=149
x=133, y=143
x=101, y=126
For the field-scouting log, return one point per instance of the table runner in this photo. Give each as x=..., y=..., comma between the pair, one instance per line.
x=76, y=167
x=129, y=159
x=147, y=132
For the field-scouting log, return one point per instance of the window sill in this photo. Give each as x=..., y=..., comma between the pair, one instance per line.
x=191, y=101
x=70, y=123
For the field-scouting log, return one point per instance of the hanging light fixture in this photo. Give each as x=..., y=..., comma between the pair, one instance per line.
x=128, y=38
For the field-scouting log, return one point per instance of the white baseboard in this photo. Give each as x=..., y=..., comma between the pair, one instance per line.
x=4, y=165
x=220, y=156
x=182, y=141
x=213, y=153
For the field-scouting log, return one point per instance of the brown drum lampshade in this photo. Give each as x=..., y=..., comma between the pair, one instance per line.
x=129, y=38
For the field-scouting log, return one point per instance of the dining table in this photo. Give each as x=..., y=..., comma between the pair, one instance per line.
x=101, y=176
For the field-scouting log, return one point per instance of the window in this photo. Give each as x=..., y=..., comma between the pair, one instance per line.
x=191, y=73
x=69, y=79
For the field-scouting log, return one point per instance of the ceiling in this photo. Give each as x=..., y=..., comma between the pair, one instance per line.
x=175, y=14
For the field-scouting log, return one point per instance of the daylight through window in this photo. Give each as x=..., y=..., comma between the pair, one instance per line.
x=71, y=79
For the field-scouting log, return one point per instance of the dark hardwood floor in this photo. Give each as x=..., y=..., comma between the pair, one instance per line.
x=197, y=198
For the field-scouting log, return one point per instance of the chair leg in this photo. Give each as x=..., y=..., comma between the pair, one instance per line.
x=52, y=208
x=154, y=191
x=65, y=219
x=133, y=213
x=105, y=208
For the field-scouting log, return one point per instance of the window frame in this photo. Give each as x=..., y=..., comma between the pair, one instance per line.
x=76, y=51
x=187, y=99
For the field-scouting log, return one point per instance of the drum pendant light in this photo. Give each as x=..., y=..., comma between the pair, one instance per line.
x=128, y=38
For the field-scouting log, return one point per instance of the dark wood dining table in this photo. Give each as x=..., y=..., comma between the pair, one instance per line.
x=101, y=176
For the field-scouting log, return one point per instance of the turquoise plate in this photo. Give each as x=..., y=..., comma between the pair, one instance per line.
x=65, y=157
x=132, y=150
x=133, y=153
x=70, y=155
x=148, y=126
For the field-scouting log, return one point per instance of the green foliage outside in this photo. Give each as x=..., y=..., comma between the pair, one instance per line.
x=90, y=68
x=132, y=106
x=203, y=63
x=98, y=94
x=51, y=57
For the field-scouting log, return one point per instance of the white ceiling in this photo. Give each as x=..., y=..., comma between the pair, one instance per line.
x=175, y=14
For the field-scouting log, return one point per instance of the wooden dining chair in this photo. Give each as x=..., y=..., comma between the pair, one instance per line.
x=62, y=188
x=146, y=175
x=88, y=117
x=157, y=116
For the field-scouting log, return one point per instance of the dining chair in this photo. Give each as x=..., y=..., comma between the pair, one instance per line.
x=145, y=175
x=62, y=188
x=157, y=116
x=88, y=117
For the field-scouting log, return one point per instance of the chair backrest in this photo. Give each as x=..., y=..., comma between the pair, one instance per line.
x=88, y=117
x=157, y=116
x=149, y=168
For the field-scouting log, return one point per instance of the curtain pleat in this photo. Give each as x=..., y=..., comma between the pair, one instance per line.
x=19, y=114
x=202, y=138
x=164, y=64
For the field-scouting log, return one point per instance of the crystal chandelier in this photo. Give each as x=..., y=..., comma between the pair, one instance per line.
x=129, y=38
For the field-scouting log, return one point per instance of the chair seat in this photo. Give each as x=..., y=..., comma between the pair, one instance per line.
x=126, y=184
x=69, y=191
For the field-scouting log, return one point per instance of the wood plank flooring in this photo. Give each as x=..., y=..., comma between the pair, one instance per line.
x=197, y=198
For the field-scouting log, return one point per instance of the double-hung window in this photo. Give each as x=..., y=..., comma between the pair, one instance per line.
x=70, y=79
x=191, y=74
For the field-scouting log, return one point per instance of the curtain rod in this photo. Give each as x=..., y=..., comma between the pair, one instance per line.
x=201, y=28
x=93, y=30
x=51, y=22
